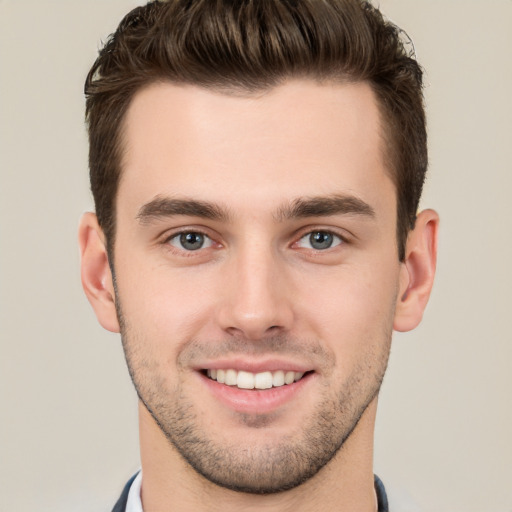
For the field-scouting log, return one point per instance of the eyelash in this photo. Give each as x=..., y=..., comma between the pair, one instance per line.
x=191, y=253
x=182, y=251
x=334, y=236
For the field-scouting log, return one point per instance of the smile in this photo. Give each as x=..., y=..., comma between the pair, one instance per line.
x=247, y=380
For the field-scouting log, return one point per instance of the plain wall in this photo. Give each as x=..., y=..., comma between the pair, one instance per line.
x=68, y=430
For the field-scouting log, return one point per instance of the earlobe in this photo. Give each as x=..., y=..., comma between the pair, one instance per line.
x=417, y=272
x=95, y=272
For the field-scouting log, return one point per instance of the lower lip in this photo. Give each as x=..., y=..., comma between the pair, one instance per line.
x=256, y=401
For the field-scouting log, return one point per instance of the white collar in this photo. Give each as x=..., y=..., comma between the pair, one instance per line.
x=134, y=503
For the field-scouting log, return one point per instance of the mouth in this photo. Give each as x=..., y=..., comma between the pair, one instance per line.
x=258, y=381
x=257, y=388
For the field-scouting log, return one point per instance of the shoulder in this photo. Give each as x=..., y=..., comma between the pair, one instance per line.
x=120, y=506
x=382, y=497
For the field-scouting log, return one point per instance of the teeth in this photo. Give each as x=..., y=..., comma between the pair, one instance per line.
x=289, y=377
x=245, y=380
x=263, y=380
x=278, y=378
x=248, y=380
x=231, y=377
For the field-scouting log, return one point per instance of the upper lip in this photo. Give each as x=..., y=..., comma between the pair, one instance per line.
x=252, y=366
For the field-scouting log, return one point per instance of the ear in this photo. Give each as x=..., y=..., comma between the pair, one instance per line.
x=417, y=271
x=96, y=276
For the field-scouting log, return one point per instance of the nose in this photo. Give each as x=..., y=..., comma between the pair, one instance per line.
x=256, y=295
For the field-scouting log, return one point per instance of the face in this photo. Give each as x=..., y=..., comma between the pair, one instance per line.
x=256, y=273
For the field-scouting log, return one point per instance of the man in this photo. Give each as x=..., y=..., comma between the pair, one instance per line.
x=256, y=169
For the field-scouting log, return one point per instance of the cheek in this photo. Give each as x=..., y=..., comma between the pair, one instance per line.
x=351, y=309
x=165, y=306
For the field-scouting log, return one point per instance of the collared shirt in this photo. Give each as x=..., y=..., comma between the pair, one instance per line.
x=130, y=499
x=134, y=503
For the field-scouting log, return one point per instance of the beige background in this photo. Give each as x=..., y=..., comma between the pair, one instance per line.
x=68, y=430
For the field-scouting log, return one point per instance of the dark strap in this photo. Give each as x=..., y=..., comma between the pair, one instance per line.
x=120, y=506
x=382, y=498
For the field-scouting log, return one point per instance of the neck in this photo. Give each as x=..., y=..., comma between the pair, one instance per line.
x=344, y=484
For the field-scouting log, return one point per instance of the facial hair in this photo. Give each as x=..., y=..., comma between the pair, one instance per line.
x=262, y=467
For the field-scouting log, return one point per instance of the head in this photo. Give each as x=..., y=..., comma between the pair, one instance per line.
x=256, y=168
x=249, y=47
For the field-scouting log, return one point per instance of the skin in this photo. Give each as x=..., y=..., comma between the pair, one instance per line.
x=257, y=293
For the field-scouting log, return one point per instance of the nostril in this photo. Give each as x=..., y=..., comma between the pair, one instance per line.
x=273, y=330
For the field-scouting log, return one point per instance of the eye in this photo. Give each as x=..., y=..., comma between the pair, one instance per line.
x=190, y=241
x=319, y=240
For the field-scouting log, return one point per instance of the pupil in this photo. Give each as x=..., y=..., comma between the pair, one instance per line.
x=320, y=240
x=192, y=241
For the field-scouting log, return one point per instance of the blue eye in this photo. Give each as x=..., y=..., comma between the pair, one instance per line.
x=190, y=241
x=319, y=240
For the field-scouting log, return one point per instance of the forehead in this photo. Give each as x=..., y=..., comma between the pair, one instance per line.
x=299, y=138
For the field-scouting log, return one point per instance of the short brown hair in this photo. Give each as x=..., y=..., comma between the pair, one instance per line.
x=252, y=45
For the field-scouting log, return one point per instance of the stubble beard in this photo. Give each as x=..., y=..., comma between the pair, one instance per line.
x=262, y=468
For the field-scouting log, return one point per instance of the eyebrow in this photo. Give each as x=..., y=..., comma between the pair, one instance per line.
x=323, y=206
x=318, y=206
x=161, y=207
